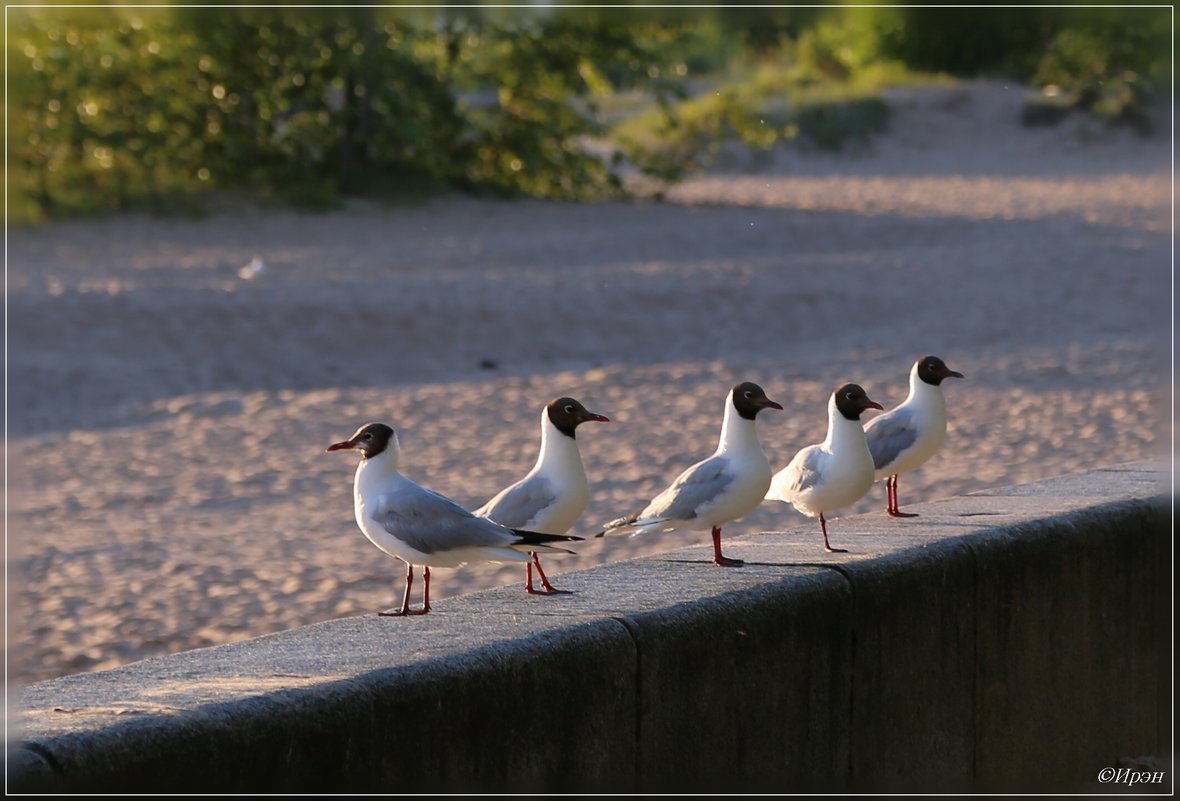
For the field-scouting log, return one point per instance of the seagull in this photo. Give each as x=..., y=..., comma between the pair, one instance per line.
x=725, y=487
x=555, y=492
x=838, y=471
x=421, y=527
x=909, y=434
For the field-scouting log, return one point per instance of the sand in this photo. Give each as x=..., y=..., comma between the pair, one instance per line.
x=167, y=418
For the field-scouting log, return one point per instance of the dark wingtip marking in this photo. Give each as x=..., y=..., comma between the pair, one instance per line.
x=537, y=538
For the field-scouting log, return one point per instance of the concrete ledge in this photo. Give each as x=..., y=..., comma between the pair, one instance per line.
x=1016, y=639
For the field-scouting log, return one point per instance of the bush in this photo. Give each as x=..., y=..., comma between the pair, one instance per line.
x=96, y=118
x=680, y=138
x=821, y=89
x=119, y=109
x=962, y=41
x=1112, y=77
x=1111, y=62
x=116, y=113
x=125, y=108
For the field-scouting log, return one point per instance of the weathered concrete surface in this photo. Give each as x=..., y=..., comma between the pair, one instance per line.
x=1016, y=639
x=456, y=700
x=1064, y=617
x=750, y=685
x=723, y=688
x=914, y=681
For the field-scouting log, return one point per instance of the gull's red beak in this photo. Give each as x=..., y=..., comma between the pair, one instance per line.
x=874, y=405
x=341, y=446
x=598, y=418
x=769, y=404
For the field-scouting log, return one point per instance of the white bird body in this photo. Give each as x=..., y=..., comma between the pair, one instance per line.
x=907, y=436
x=828, y=476
x=836, y=472
x=724, y=487
x=379, y=490
x=421, y=527
x=553, y=495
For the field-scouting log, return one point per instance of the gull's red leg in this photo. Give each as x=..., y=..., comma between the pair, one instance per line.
x=528, y=580
x=718, y=559
x=425, y=593
x=823, y=525
x=549, y=589
x=405, y=610
x=896, y=511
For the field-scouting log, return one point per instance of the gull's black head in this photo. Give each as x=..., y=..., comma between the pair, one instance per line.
x=851, y=400
x=932, y=370
x=749, y=399
x=567, y=414
x=370, y=439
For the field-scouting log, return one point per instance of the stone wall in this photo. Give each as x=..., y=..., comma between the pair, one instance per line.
x=1015, y=639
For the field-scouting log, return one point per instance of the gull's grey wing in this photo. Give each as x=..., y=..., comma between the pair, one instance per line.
x=693, y=489
x=802, y=473
x=431, y=523
x=520, y=503
x=890, y=435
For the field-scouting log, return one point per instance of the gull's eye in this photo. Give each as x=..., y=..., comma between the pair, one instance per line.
x=367, y=436
x=569, y=409
x=850, y=395
x=748, y=394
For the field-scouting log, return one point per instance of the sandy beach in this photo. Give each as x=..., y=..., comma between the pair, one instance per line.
x=167, y=417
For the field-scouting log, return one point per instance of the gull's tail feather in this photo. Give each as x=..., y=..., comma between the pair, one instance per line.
x=536, y=541
x=631, y=525
x=610, y=527
x=782, y=487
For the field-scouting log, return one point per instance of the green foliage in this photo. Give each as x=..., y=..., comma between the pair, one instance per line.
x=311, y=104
x=763, y=30
x=1110, y=62
x=1108, y=67
x=680, y=138
x=158, y=108
x=526, y=141
x=961, y=41
x=821, y=90
x=95, y=122
x=135, y=108
x=156, y=105
x=839, y=48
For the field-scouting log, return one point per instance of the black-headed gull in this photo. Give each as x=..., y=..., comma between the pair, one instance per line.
x=421, y=527
x=725, y=487
x=906, y=436
x=555, y=492
x=836, y=472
